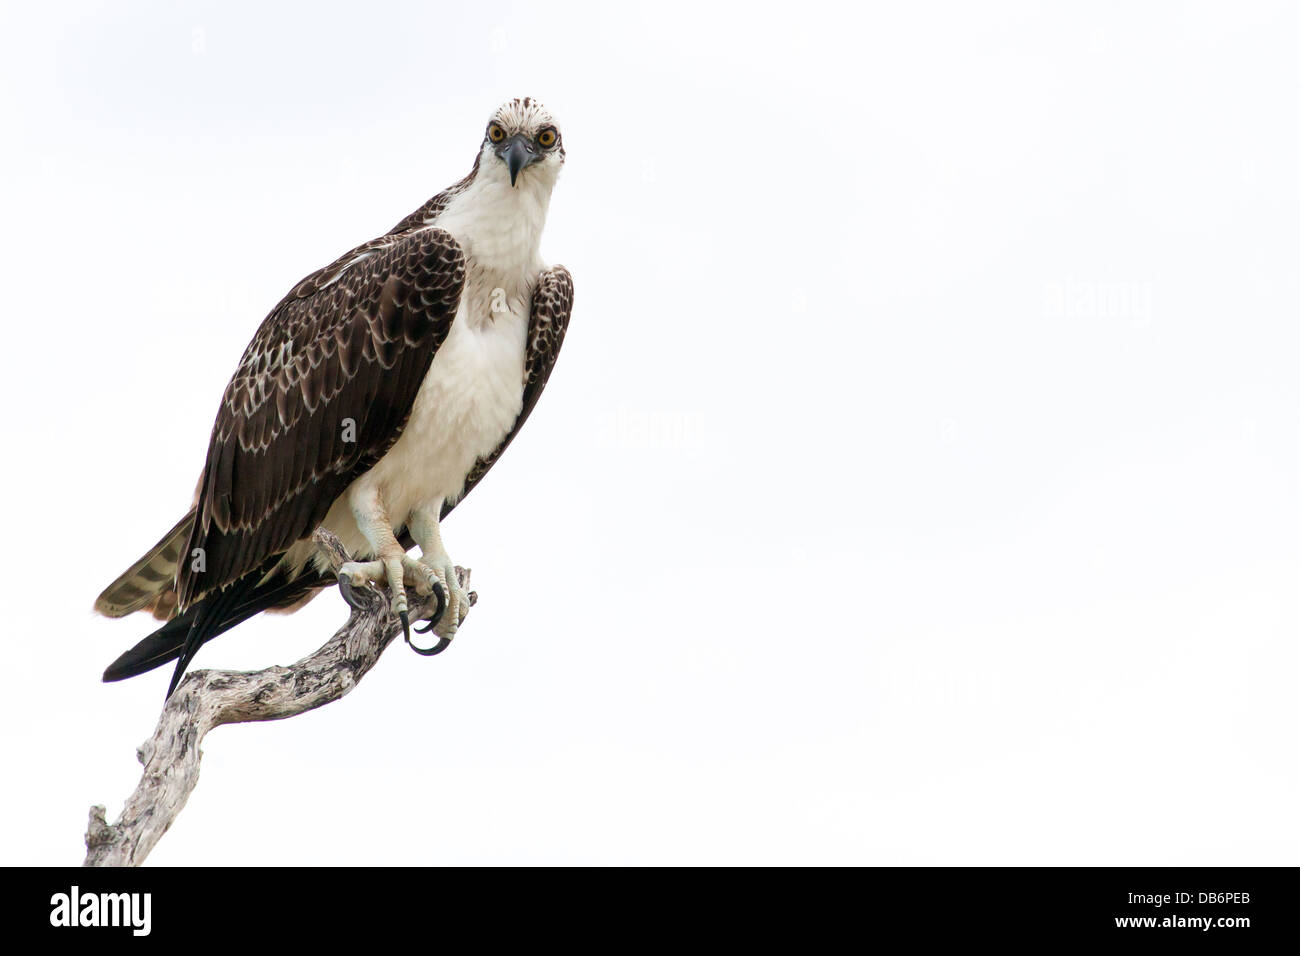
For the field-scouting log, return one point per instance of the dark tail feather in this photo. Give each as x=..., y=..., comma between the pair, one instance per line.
x=212, y=612
x=184, y=634
x=158, y=648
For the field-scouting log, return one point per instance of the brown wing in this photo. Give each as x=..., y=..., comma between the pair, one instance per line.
x=547, y=323
x=322, y=392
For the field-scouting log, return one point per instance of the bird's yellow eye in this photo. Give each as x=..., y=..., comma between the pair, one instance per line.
x=496, y=133
x=546, y=138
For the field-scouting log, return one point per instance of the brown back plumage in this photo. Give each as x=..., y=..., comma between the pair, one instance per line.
x=322, y=392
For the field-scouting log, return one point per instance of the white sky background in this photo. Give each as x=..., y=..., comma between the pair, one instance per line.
x=919, y=483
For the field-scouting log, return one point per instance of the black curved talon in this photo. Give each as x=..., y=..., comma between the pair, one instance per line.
x=443, y=642
x=442, y=645
x=349, y=593
x=406, y=625
x=433, y=619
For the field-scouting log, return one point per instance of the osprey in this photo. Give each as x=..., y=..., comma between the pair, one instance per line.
x=371, y=400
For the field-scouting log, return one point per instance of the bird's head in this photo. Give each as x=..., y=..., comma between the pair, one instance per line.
x=523, y=140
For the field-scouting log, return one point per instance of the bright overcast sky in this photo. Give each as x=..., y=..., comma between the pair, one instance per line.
x=919, y=482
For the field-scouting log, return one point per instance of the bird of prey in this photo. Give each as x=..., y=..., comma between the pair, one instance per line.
x=371, y=400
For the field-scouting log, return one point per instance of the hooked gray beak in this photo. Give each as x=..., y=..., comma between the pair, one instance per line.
x=519, y=152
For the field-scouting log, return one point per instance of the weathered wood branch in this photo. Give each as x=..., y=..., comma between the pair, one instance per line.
x=209, y=698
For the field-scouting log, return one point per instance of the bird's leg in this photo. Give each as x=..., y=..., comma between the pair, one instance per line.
x=424, y=527
x=391, y=566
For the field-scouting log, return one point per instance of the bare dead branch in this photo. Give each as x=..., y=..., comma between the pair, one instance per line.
x=209, y=698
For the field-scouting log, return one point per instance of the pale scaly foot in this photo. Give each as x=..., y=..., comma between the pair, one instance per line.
x=455, y=586
x=425, y=530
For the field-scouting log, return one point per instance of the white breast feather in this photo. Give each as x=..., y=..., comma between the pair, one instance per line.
x=473, y=391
